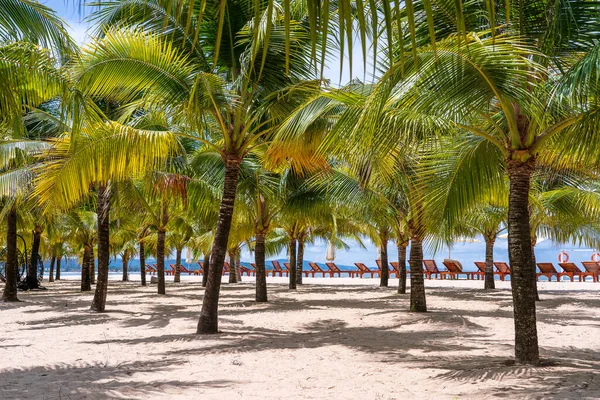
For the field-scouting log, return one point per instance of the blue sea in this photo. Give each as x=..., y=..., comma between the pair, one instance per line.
x=466, y=253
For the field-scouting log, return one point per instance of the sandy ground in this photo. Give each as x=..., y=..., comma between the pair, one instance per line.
x=331, y=339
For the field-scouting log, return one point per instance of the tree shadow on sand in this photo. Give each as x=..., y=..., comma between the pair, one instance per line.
x=96, y=381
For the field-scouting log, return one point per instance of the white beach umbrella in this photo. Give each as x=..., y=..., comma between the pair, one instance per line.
x=188, y=255
x=330, y=253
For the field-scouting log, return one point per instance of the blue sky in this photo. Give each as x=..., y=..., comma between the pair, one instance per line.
x=467, y=252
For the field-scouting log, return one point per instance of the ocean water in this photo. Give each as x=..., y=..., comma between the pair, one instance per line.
x=466, y=253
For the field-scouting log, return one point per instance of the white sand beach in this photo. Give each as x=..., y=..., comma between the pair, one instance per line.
x=330, y=339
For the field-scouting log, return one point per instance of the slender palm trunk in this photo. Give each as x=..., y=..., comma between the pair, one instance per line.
x=51, y=274
x=206, y=268
x=238, y=266
x=293, y=249
x=232, y=275
x=160, y=260
x=208, y=322
x=142, y=262
x=417, y=283
x=402, y=267
x=300, y=262
x=92, y=268
x=125, y=259
x=261, y=274
x=10, y=288
x=177, y=277
x=32, y=268
x=520, y=257
x=58, y=260
x=99, y=302
x=385, y=268
x=88, y=259
x=489, y=282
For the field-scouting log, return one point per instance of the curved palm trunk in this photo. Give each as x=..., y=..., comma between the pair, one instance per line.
x=300, y=262
x=51, y=274
x=32, y=268
x=177, y=277
x=232, y=266
x=142, y=262
x=99, y=302
x=261, y=275
x=10, y=288
x=520, y=257
x=206, y=268
x=489, y=282
x=402, y=267
x=88, y=259
x=58, y=260
x=208, y=322
x=125, y=259
x=160, y=260
x=417, y=283
x=293, y=250
x=385, y=268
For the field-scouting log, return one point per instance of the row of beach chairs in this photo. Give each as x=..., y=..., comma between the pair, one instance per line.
x=453, y=270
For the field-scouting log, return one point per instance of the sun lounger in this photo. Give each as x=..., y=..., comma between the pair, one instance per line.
x=286, y=267
x=432, y=269
x=247, y=271
x=315, y=269
x=503, y=269
x=481, y=269
x=454, y=268
x=572, y=270
x=593, y=268
x=391, y=269
x=336, y=270
x=182, y=269
x=395, y=269
x=363, y=269
x=167, y=271
x=277, y=269
x=547, y=269
x=150, y=269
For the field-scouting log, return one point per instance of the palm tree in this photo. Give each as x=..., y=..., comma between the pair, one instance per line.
x=175, y=68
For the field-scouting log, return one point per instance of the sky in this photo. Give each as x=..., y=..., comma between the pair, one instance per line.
x=466, y=252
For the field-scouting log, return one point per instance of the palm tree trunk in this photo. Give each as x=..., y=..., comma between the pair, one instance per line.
x=232, y=275
x=125, y=260
x=401, y=266
x=300, y=262
x=208, y=322
x=88, y=259
x=32, y=268
x=10, y=288
x=238, y=266
x=177, y=277
x=92, y=268
x=489, y=282
x=142, y=262
x=417, y=283
x=160, y=260
x=99, y=302
x=519, y=255
x=52, y=262
x=383, y=256
x=261, y=275
x=58, y=260
x=206, y=267
x=293, y=250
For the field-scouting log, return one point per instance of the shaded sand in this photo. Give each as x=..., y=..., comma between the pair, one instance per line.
x=320, y=342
